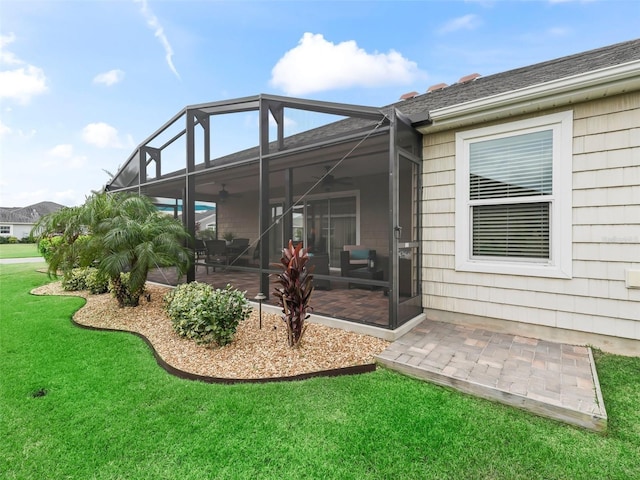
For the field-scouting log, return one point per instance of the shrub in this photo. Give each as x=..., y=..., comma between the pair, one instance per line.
x=203, y=314
x=294, y=292
x=3, y=240
x=75, y=279
x=97, y=282
x=12, y=240
x=47, y=247
x=120, y=288
x=207, y=234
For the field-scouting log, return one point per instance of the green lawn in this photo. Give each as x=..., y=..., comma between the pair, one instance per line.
x=18, y=250
x=111, y=413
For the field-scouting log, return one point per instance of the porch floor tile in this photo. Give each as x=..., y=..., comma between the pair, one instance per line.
x=549, y=379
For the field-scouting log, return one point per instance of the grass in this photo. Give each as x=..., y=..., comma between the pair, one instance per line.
x=109, y=412
x=18, y=250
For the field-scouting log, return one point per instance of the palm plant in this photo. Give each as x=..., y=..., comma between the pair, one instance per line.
x=126, y=233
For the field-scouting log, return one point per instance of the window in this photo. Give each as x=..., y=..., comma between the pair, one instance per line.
x=5, y=229
x=513, y=197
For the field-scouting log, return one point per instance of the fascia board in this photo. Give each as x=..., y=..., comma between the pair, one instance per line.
x=578, y=88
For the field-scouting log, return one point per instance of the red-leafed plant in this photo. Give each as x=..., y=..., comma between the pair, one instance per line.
x=294, y=290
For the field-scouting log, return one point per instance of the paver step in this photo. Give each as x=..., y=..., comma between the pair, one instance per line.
x=554, y=380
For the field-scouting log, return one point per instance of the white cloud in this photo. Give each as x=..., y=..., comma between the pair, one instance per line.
x=63, y=157
x=546, y=35
x=65, y=152
x=21, y=83
x=23, y=198
x=62, y=151
x=109, y=78
x=316, y=64
x=68, y=197
x=4, y=130
x=466, y=22
x=7, y=58
x=26, y=135
x=158, y=31
x=558, y=31
x=101, y=135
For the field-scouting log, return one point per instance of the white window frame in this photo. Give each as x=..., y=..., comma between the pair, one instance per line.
x=559, y=264
x=8, y=234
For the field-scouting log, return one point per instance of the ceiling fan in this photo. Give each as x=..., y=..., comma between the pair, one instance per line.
x=328, y=181
x=224, y=194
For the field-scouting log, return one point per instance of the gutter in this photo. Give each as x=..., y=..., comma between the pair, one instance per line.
x=604, y=82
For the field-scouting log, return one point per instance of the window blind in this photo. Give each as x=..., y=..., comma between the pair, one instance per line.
x=515, y=166
x=513, y=230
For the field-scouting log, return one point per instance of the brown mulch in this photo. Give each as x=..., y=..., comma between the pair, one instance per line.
x=254, y=354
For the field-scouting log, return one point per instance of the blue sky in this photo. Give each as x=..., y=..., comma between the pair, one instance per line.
x=83, y=82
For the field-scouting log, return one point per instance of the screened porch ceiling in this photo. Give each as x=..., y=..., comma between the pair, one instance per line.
x=309, y=153
x=369, y=158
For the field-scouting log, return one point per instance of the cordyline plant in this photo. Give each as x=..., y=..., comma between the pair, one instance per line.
x=294, y=290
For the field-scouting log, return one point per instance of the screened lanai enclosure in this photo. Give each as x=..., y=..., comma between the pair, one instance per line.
x=342, y=179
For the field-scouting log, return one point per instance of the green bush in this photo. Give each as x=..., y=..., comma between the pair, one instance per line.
x=75, y=279
x=96, y=281
x=85, y=278
x=203, y=314
x=28, y=239
x=12, y=240
x=3, y=240
x=47, y=246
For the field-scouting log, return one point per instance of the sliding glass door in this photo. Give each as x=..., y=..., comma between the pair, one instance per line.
x=331, y=223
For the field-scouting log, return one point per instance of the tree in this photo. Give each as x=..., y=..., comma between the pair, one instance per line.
x=118, y=233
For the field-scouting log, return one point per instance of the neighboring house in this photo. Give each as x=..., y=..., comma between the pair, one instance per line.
x=18, y=221
x=206, y=221
x=509, y=200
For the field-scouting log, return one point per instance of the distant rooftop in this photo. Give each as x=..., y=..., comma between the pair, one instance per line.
x=28, y=214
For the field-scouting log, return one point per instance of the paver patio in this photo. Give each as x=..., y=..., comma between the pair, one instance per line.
x=555, y=380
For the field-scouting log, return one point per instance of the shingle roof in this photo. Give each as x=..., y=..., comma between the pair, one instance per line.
x=523, y=77
x=29, y=214
x=487, y=86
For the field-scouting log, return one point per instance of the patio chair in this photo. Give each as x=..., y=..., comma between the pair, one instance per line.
x=354, y=257
x=357, y=261
x=238, y=251
x=217, y=254
x=199, y=250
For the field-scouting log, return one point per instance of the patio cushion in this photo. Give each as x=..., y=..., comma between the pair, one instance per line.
x=359, y=254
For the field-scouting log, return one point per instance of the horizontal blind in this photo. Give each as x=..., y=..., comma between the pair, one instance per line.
x=516, y=166
x=516, y=230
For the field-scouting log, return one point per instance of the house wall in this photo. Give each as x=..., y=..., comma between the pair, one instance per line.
x=606, y=234
x=21, y=230
x=240, y=215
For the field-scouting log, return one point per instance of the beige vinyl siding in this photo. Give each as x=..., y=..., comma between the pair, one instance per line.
x=606, y=232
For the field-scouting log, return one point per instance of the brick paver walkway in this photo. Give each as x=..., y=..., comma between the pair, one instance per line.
x=551, y=379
